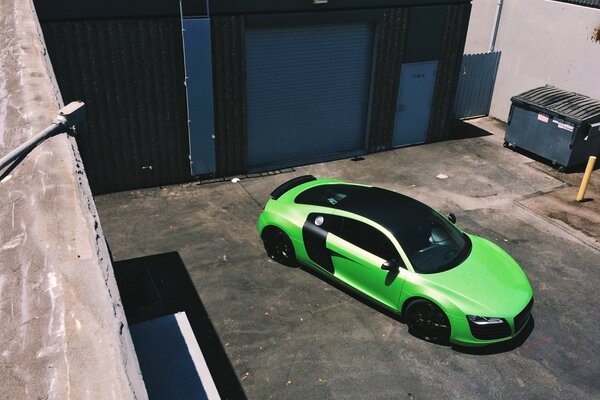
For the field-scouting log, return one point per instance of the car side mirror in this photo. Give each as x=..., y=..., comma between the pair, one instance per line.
x=391, y=265
x=452, y=218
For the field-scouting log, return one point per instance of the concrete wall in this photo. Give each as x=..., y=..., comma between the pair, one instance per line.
x=542, y=42
x=63, y=332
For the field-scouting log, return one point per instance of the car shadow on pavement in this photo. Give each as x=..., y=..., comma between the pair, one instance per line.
x=503, y=347
x=159, y=285
x=352, y=294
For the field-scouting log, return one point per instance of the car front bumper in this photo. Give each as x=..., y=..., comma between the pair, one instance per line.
x=463, y=334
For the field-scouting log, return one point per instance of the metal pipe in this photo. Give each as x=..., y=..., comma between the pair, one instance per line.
x=586, y=177
x=67, y=117
x=496, y=25
x=55, y=128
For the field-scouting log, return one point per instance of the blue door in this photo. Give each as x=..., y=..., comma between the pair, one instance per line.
x=307, y=93
x=417, y=81
x=198, y=70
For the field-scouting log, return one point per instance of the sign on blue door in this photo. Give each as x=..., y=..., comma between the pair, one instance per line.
x=417, y=82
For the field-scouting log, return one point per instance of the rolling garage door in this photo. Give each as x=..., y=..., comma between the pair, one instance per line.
x=307, y=93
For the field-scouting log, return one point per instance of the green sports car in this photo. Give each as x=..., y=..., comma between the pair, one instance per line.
x=448, y=285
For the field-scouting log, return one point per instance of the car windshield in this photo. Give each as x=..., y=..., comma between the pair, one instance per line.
x=431, y=242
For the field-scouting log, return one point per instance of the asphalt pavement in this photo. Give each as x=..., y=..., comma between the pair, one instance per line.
x=289, y=333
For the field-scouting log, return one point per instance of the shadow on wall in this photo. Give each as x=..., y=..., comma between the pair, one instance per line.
x=596, y=35
x=159, y=285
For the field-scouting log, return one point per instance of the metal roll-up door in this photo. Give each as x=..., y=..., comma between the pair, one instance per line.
x=307, y=93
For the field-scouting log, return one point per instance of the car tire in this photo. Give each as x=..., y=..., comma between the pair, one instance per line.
x=278, y=246
x=427, y=321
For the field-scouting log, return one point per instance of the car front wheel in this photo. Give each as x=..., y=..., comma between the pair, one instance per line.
x=427, y=321
x=279, y=246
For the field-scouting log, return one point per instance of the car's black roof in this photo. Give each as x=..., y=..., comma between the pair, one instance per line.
x=392, y=210
x=387, y=208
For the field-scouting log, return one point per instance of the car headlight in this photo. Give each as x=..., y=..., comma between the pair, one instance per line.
x=476, y=319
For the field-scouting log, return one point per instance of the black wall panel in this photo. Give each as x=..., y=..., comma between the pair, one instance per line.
x=451, y=53
x=229, y=94
x=390, y=43
x=130, y=74
x=88, y=9
x=48, y=10
x=273, y=6
x=424, y=33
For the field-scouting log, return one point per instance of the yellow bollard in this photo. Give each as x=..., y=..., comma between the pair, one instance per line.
x=586, y=177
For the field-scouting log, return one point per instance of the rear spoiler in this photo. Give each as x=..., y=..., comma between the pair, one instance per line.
x=292, y=183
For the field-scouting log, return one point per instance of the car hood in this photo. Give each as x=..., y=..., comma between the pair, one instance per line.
x=488, y=283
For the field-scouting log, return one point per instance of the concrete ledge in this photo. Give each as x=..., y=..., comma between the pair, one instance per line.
x=64, y=333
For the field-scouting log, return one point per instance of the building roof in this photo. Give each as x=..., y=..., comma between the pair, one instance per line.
x=585, y=3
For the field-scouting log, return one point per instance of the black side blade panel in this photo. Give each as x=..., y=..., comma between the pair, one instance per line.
x=315, y=241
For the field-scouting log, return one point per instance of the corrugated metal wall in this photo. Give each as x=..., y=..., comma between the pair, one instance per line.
x=390, y=43
x=476, y=85
x=130, y=74
x=444, y=34
x=453, y=43
x=229, y=80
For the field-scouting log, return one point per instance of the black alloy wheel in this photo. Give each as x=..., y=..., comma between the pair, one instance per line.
x=279, y=246
x=426, y=321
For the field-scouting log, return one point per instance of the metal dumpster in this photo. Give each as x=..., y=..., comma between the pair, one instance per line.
x=560, y=126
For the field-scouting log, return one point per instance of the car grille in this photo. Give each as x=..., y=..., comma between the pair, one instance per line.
x=491, y=331
x=521, y=318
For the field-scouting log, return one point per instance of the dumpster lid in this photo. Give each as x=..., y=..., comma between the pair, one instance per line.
x=571, y=105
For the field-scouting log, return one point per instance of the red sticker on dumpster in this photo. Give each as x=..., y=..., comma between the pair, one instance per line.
x=543, y=118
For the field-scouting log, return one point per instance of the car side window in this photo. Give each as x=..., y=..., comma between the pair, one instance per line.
x=366, y=237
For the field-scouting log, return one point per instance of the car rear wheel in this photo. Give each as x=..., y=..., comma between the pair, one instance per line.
x=427, y=321
x=279, y=246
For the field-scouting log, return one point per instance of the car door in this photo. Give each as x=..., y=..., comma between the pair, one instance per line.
x=358, y=251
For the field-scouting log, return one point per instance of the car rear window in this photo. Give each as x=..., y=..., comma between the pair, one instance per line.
x=327, y=195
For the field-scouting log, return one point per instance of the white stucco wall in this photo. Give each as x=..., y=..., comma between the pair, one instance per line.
x=542, y=42
x=481, y=24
